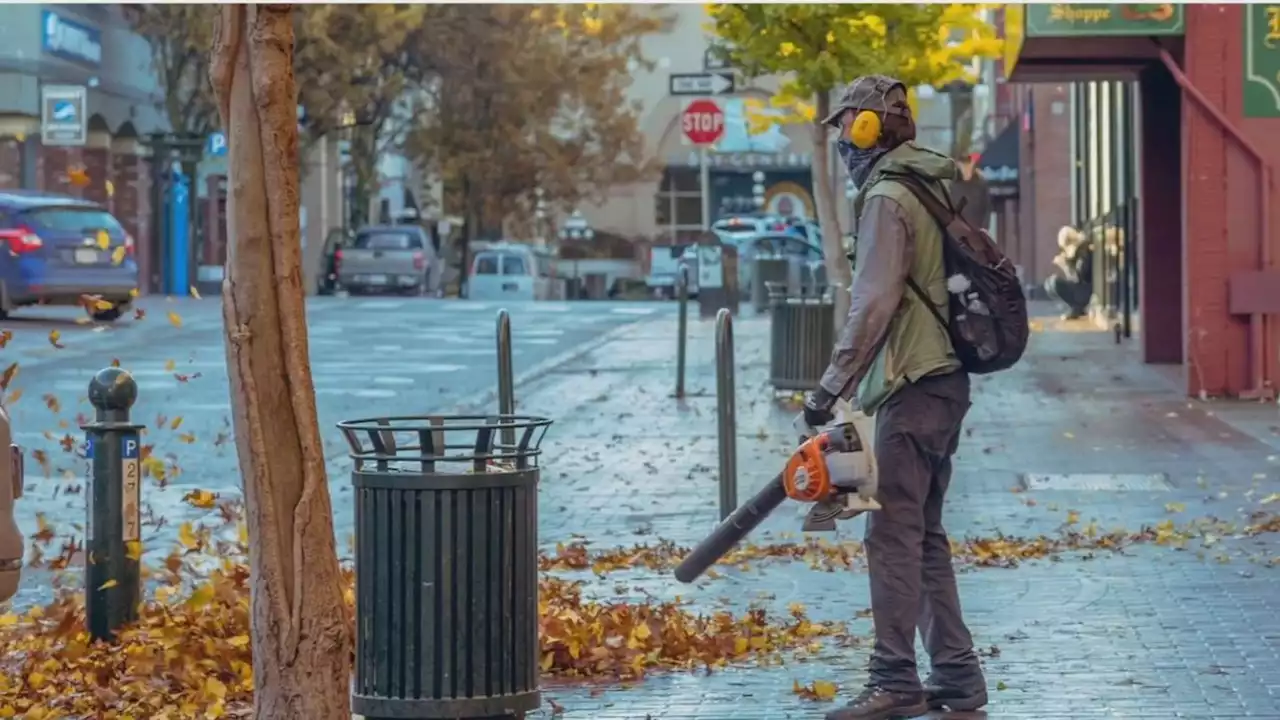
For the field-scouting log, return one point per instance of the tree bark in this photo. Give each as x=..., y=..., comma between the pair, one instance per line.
x=839, y=273
x=300, y=624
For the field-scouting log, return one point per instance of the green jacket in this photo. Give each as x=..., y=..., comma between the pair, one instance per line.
x=890, y=338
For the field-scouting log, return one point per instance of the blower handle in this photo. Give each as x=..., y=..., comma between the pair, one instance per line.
x=731, y=532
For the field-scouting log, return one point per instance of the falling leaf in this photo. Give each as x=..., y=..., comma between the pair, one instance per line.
x=139, y=313
x=8, y=375
x=5, y=337
x=110, y=188
x=118, y=255
x=201, y=499
x=54, y=335
x=195, y=293
x=175, y=319
x=103, y=239
x=13, y=397
x=169, y=365
x=108, y=585
x=175, y=424
x=51, y=402
x=187, y=536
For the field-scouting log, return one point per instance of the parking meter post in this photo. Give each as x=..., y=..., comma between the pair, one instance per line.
x=113, y=549
x=506, y=376
x=725, y=410
x=682, y=330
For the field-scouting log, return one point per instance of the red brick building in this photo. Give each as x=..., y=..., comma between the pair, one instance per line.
x=1174, y=113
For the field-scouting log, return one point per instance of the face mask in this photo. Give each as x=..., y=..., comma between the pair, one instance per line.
x=858, y=162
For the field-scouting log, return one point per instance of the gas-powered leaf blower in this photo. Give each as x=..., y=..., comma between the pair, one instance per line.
x=833, y=468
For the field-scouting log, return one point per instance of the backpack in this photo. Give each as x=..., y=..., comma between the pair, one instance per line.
x=989, y=325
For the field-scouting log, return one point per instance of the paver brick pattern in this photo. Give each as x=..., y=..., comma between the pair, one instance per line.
x=1150, y=632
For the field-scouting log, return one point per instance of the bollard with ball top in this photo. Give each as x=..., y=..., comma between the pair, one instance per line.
x=113, y=549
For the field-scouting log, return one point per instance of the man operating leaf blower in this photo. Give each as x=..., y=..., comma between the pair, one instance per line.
x=933, y=300
x=918, y=263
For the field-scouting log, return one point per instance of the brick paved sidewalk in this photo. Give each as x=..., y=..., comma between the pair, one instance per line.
x=1152, y=632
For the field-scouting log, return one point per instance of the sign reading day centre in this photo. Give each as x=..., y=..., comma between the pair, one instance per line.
x=1261, y=61
x=1080, y=20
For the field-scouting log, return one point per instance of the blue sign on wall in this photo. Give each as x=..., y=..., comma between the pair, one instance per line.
x=70, y=40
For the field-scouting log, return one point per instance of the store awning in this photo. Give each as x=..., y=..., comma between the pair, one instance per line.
x=999, y=162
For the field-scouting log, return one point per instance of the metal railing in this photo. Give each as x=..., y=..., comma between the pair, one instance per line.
x=1115, y=266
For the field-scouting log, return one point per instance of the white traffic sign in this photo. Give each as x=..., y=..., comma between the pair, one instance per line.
x=708, y=83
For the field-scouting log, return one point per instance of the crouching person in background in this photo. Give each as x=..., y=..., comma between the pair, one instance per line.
x=1072, y=281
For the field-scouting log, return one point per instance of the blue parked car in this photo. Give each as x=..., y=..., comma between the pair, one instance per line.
x=56, y=249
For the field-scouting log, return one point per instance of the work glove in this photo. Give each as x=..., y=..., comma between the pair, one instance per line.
x=817, y=408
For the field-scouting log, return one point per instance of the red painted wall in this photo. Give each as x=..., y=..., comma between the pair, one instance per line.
x=1221, y=204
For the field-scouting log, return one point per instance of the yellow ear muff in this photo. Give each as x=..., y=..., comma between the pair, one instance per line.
x=864, y=132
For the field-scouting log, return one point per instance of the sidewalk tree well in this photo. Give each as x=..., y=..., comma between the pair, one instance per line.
x=300, y=624
x=544, y=106
x=816, y=49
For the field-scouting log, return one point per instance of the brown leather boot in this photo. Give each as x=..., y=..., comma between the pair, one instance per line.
x=877, y=704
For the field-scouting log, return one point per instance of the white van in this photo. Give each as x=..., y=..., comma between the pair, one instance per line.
x=511, y=272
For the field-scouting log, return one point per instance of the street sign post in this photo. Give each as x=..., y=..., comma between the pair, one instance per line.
x=704, y=83
x=703, y=124
x=64, y=119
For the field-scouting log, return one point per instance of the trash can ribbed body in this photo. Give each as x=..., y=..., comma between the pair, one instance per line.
x=802, y=335
x=446, y=589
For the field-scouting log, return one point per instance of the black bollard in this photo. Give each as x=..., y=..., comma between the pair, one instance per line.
x=113, y=545
x=682, y=326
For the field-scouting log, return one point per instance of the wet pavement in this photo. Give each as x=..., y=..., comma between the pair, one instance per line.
x=1150, y=632
x=370, y=356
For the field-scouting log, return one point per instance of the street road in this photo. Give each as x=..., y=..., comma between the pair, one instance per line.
x=369, y=357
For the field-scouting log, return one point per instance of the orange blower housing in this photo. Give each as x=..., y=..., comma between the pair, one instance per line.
x=806, y=477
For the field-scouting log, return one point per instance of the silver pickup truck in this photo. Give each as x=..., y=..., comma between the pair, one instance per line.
x=391, y=258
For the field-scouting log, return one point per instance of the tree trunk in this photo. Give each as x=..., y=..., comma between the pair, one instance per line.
x=839, y=273
x=300, y=623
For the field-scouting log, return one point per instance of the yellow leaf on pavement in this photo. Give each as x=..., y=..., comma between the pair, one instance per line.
x=175, y=319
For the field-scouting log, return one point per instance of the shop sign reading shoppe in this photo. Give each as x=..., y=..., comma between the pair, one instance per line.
x=1261, y=61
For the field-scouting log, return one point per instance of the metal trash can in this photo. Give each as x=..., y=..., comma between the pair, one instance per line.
x=446, y=585
x=802, y=336
x=767, y=270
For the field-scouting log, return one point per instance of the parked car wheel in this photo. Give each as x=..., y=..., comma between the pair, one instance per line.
x=111, y=315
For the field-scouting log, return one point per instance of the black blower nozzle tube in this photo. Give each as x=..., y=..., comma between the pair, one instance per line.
x=731, y=532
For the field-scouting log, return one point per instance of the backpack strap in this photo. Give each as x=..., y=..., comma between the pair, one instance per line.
x=942, y=214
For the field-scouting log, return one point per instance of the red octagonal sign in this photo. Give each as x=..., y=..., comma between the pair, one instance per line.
x=703, y=122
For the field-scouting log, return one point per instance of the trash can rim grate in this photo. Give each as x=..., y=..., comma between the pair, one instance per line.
x=432, y=440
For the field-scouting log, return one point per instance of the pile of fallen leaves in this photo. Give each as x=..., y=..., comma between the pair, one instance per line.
x=189, y=653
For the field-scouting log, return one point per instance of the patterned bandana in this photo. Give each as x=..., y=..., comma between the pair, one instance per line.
x=859, y=162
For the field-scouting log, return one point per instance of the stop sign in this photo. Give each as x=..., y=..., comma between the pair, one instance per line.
x=703, y=122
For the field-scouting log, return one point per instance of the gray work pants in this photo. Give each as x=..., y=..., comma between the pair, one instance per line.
x=912, y=581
